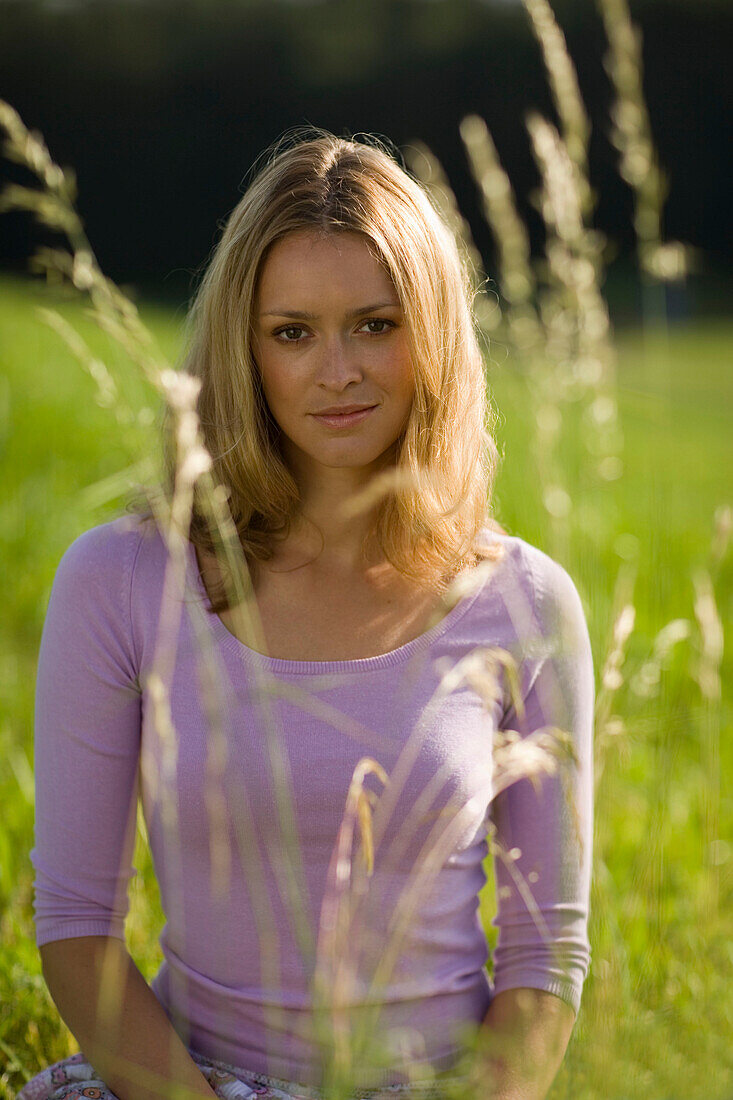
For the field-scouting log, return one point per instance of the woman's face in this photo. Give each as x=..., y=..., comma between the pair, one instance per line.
x=329, y=332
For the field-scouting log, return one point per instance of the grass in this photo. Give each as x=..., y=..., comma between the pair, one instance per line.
x=657, y=1007
x=616, y=454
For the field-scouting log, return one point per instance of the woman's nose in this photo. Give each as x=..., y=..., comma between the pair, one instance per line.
x=339, y=362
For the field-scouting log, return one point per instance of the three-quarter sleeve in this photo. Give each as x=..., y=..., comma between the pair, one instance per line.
x=543, y=887
x=87, y=740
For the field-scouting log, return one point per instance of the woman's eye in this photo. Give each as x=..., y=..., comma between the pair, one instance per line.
x=290, y=334
x=375, y=326
x=379, y=321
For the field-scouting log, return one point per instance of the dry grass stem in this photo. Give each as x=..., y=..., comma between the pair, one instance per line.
x=464, y=584
x=426, y=167
x=479, y=669
x=107, y=393
x=382, y=484
x=707, y=668
x=530, y=757
x=722, y=526
x=609, y=727
x=631, y=134
x=516, y=277
x=645, y=681
x=557, y=326
x=566, y=95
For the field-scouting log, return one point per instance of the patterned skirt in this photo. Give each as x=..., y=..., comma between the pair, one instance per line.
x=74, y=1079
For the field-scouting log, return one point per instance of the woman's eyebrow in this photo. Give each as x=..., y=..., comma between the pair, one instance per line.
x=301, y=316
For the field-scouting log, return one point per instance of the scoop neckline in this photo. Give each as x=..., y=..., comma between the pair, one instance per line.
x=392, y=657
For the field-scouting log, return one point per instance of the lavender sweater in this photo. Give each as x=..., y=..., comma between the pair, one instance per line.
x=203, y=744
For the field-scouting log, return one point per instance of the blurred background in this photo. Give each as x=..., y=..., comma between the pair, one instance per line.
x=615, y=440
x=162, y=106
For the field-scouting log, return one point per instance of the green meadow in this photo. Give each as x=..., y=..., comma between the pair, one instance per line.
x=657, y=1013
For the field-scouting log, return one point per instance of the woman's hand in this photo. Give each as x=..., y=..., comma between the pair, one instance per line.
x=118, y=1021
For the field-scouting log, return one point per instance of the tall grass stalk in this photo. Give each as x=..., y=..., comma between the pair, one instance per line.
x=557, y=323
x=706, y=670
x=639, y=165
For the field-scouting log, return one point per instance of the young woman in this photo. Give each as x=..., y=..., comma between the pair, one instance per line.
x=321, y=759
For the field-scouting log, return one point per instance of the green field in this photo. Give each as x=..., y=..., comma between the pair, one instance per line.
x=657, y=1013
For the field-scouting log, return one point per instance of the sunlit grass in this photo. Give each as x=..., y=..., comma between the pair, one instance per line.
x=616, y=459
x=660, y=953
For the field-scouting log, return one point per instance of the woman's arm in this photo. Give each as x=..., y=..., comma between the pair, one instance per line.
x=87, y=741
x=544, y=845
x=521, y=1045
x=118, y=1021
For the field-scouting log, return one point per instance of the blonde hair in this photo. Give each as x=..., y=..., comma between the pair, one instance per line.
x=312, y=179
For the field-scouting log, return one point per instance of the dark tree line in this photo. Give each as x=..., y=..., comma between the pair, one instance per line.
x=161, y=106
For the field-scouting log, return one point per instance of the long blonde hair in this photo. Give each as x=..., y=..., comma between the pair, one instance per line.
x=311, y=179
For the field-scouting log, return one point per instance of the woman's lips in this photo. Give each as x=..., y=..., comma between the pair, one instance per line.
x=345, y=420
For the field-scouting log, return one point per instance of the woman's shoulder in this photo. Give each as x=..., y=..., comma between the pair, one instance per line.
x=105, y=557
x=530, y=579
x=525, y=558
x=108, y=545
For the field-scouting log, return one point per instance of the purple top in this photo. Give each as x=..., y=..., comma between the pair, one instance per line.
x=201, y=742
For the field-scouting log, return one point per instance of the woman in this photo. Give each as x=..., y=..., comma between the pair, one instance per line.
x=313, y=745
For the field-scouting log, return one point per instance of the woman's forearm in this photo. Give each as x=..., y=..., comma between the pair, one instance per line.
x=524, y=1037
x=118, y=1021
